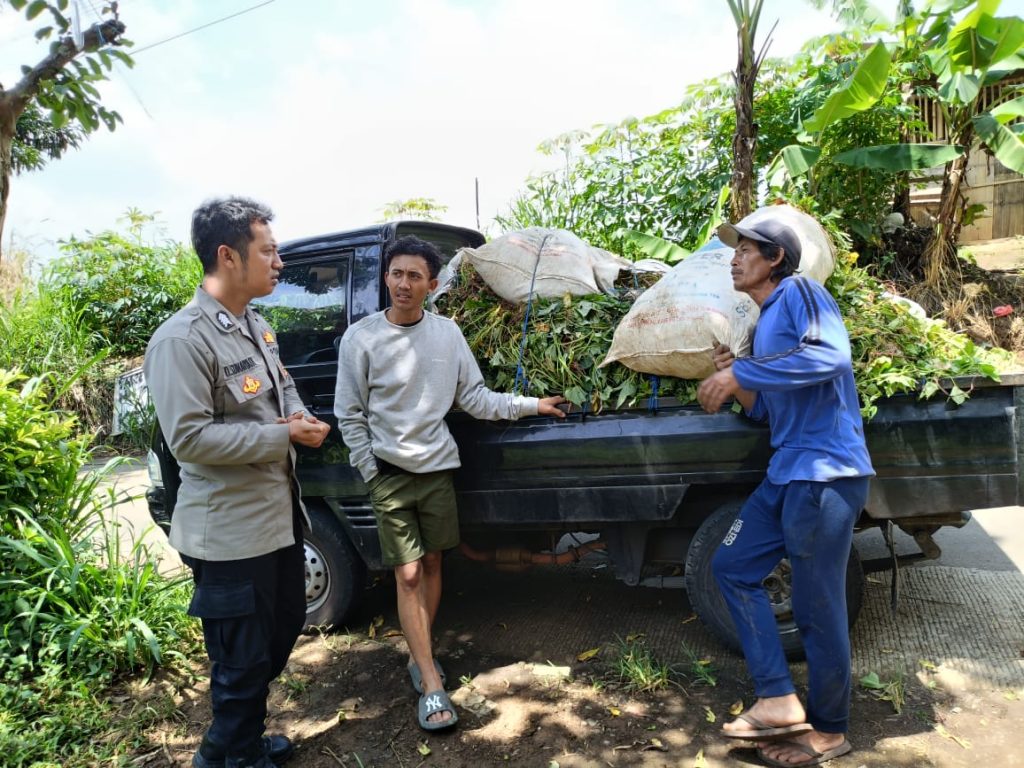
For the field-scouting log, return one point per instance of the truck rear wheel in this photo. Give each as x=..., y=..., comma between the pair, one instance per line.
x=335, y=574
x=708, y=603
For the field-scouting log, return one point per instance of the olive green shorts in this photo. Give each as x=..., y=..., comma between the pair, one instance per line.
x=416, y=514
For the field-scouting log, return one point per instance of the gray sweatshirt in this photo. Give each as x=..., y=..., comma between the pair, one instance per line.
x=397, y=383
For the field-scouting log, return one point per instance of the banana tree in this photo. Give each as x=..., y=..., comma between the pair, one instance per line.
x=744, y=140
x=959, y=56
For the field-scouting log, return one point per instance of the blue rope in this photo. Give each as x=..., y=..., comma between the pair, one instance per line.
x=652, y=402
x=520, y=373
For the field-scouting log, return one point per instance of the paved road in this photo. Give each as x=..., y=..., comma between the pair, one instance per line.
x=992, y=541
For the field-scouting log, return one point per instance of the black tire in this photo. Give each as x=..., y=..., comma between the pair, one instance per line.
x=709, y=605
x=335, y=574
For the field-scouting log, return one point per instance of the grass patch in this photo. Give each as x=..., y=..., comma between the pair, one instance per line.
x=701, y=669
x=637, y=667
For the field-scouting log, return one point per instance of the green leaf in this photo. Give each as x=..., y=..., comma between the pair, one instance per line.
x=1004, y=143
x=798, y=158
x=871, y=681
x=979, y=40
x=35, y=8
x=860, y=91
x=1009, y=110
x=900, y=157
x=960, y=88
x=656, y=247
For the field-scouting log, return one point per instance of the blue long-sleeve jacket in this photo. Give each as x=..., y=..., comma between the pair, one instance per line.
x=803, y=376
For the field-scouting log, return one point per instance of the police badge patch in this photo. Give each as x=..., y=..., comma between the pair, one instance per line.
x=225, y=321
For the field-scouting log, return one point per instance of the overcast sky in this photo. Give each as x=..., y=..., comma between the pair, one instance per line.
x=327, y=110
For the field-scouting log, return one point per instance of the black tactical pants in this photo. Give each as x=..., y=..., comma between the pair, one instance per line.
x=252, y=612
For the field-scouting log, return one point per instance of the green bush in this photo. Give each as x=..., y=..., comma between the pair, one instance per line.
x=42, y=333
x=77, y=610
x=40, y=454
x=92, y=314
x=661, y=175
x=122, y=287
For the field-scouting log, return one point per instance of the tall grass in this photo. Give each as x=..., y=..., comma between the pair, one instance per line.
x=79, y=610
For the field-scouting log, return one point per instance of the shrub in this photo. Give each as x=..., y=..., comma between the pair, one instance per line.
x=40, y=454
x=122, y=287
x=76, y=610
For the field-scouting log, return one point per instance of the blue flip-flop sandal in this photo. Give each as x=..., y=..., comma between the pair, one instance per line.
x=432, y=703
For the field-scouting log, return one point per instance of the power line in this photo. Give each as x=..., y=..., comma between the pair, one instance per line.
x=136, y=51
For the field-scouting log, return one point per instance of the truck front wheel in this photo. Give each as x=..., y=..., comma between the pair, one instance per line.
x=335, y=574
x=708, y=603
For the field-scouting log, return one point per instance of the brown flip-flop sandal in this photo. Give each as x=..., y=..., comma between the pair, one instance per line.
x=814, y=756
x=764, y=732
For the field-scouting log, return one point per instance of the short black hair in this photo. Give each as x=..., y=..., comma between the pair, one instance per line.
x=225, y=221
x=770, y=235
x=410, y=245
x=770, y=251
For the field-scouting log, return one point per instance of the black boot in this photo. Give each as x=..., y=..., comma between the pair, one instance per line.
x=272, y=751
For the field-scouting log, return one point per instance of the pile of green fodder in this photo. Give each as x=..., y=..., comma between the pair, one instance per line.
x=565, y=341
x=895, y=351
x=567, y=338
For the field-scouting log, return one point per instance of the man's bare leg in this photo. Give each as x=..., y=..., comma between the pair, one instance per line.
x=414, y=616
x=432, y=583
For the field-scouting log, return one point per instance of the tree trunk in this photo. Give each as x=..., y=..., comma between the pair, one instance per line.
x=8, y=119
x=901, y=196
x=744, y=140
x=941, y=251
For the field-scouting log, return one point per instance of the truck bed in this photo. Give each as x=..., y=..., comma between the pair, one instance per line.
x=932, y=458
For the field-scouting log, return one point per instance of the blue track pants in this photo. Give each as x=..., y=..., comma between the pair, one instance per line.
x=811, y=523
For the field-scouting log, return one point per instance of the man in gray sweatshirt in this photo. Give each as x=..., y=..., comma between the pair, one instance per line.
x=399, y=373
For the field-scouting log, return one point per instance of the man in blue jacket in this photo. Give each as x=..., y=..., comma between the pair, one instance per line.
x=800, y=379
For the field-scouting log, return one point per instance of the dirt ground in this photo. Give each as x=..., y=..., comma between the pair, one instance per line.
x=1003, y=254
x=510, y=645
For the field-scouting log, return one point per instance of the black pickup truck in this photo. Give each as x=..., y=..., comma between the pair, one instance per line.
x=654, y=487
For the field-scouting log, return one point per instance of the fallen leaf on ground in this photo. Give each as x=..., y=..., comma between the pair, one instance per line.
x=709, y=715
x=941, y=730
x=614, y=711
x=699, y=761
x=634, y=636
x=655, y=744
x=423, y=749
x=736, y=708
x=588, y=655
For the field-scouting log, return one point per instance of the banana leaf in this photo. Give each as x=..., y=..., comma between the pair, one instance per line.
x=797, y=158
x=981, y=40
x=900, y=157
x=1009, y=110
x=656, y=247
x=1004, y=143
x=861, y=90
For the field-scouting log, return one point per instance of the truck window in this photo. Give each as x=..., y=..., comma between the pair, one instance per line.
x=309, y=309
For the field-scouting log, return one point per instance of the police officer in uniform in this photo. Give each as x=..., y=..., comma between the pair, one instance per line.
x=230, y=415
